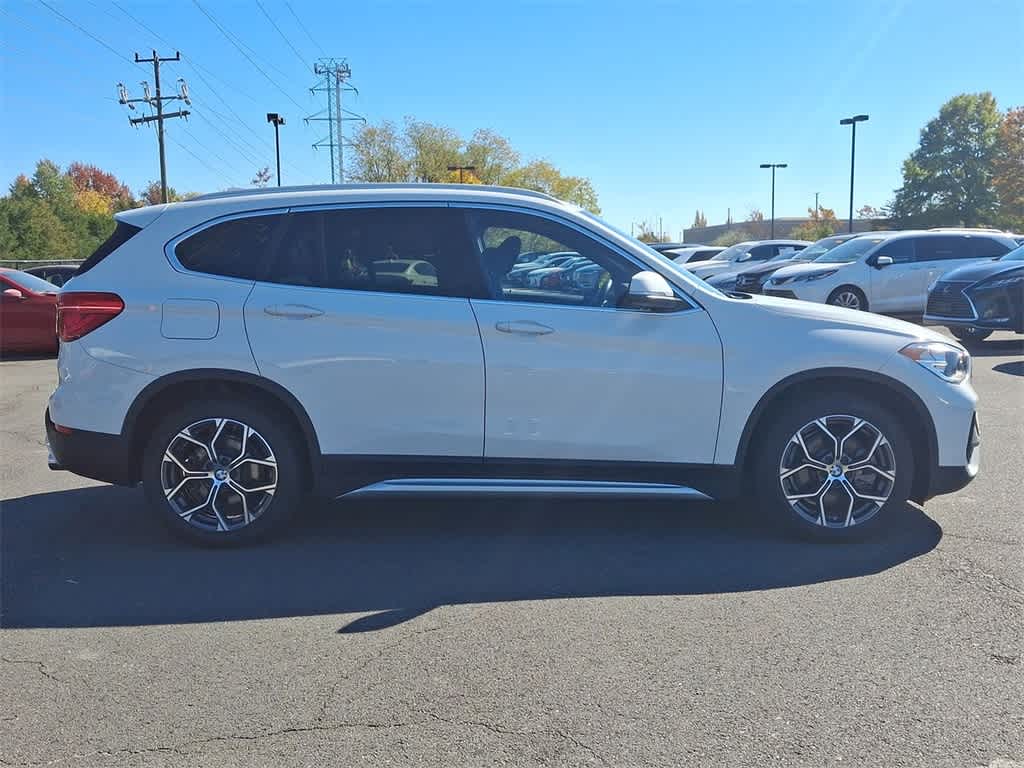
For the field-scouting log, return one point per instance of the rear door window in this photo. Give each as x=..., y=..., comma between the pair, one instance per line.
x=942, y=248
x=242, y=247
x=422, y=250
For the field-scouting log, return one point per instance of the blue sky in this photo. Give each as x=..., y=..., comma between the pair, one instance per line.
x=666, y=107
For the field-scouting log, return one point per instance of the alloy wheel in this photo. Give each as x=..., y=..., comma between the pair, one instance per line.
x=218, y=474
x=837, y=471
x=847, y=299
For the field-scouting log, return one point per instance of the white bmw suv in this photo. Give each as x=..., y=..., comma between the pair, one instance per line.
x=886, y=271
x=239, y=351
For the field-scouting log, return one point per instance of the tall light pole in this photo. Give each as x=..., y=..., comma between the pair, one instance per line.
x=460, y=169
x=278, y=121
x=773, y=166
x=852, y=122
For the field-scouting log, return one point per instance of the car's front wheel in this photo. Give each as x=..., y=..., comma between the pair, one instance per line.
x=221, y=472
x=970, y=333
x=848, y=297
x=834, y=466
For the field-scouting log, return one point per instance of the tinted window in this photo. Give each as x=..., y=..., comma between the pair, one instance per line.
x=31, y=282
x=588, y=273
x=849, y=251
x=235, y=248
x=942, y=248
x=122, y=234
x=901, y=251
x=986, y=248
x=757, y=253
x=396, y=250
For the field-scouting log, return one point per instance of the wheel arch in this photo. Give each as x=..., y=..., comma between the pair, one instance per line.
x=160, y=394
x=903, y=401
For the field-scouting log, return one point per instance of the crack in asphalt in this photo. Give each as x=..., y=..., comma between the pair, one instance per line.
x=366, y=661
x=500, y=729
x=41, y=666
x=973, y=570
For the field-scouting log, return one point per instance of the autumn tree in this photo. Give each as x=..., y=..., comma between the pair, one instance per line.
x=821, y=222
x=949, y=178
x=423, y=152
x=1008, y=170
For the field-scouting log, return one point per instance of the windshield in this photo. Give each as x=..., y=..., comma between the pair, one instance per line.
x=812, y=252
x=33, y=283
x=738, y=252
x=1017, y=254
x=850, y=250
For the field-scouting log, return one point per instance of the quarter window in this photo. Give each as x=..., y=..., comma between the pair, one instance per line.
x=531, y=258
x=986, y=248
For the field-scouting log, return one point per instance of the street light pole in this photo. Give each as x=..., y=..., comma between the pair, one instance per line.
x=773, y=166
x=278, y=121
x=852, y=122
x=460, y=169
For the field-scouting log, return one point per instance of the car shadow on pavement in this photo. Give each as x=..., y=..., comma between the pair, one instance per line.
x=996, y=348
x=93, y=557
x=1015, y=368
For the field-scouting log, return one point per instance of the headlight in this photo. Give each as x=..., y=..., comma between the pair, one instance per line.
x=1000, y=282
x=814, y=276
x=946, y=361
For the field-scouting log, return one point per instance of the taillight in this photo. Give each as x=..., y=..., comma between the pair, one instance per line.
x=81, y=312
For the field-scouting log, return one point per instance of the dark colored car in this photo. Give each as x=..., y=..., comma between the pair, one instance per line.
x=752, y=279
x=28, y=313
x=974, y=300
x=58, y=274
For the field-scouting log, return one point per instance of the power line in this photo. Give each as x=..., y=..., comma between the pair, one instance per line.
x=86, y=32
x=282, y=34
x=205, y=164
x=303, y=27
x=247, y=56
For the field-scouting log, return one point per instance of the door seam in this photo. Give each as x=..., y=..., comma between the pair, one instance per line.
x=483, y=356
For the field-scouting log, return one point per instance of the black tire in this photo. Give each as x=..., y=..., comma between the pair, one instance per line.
x=272, y=511
x=838, y=298
x=778, y=433
x=969, y=334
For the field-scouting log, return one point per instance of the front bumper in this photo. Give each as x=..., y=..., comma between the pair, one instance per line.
x=950, y=479
x=95, y=455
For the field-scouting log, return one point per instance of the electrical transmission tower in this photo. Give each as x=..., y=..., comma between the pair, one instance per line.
x=157, y=102
x=334, y=75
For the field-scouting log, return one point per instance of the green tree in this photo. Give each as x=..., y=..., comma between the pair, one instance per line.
x=432, y=148
x=731, y=237
x=30, y=229
x=542, y=176
x=948, y=179
x=1008, y=173
x=379, y=155
x=491, y=155
x=699, y=220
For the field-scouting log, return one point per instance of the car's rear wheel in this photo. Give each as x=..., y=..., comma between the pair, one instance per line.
x=849, y=297
x=222, y=472
x=834, y=466
x=969, y=333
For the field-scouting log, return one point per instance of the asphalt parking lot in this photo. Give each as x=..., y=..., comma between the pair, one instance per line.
x=512, y=633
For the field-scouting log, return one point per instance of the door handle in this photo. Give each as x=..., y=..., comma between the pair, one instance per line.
x=299, y=311
x=523, y=327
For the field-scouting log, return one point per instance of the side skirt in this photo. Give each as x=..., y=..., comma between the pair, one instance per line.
x=379, y=475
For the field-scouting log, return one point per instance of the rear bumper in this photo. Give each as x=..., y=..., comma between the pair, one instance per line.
x=95, y=455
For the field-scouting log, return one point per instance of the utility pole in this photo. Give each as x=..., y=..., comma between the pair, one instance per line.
x=278, y=121
x=852, y=122
x=773, y=166
x=156, y=102
x=460, y=169
x=816, y=209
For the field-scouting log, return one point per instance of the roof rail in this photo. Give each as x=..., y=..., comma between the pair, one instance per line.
x=356, y=187
x=994, y=230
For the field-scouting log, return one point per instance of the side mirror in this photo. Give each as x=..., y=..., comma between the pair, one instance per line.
x=14, y=293
x=884, y=261
x=651, y=291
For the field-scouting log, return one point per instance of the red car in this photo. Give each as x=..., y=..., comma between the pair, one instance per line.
x=28, y=313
